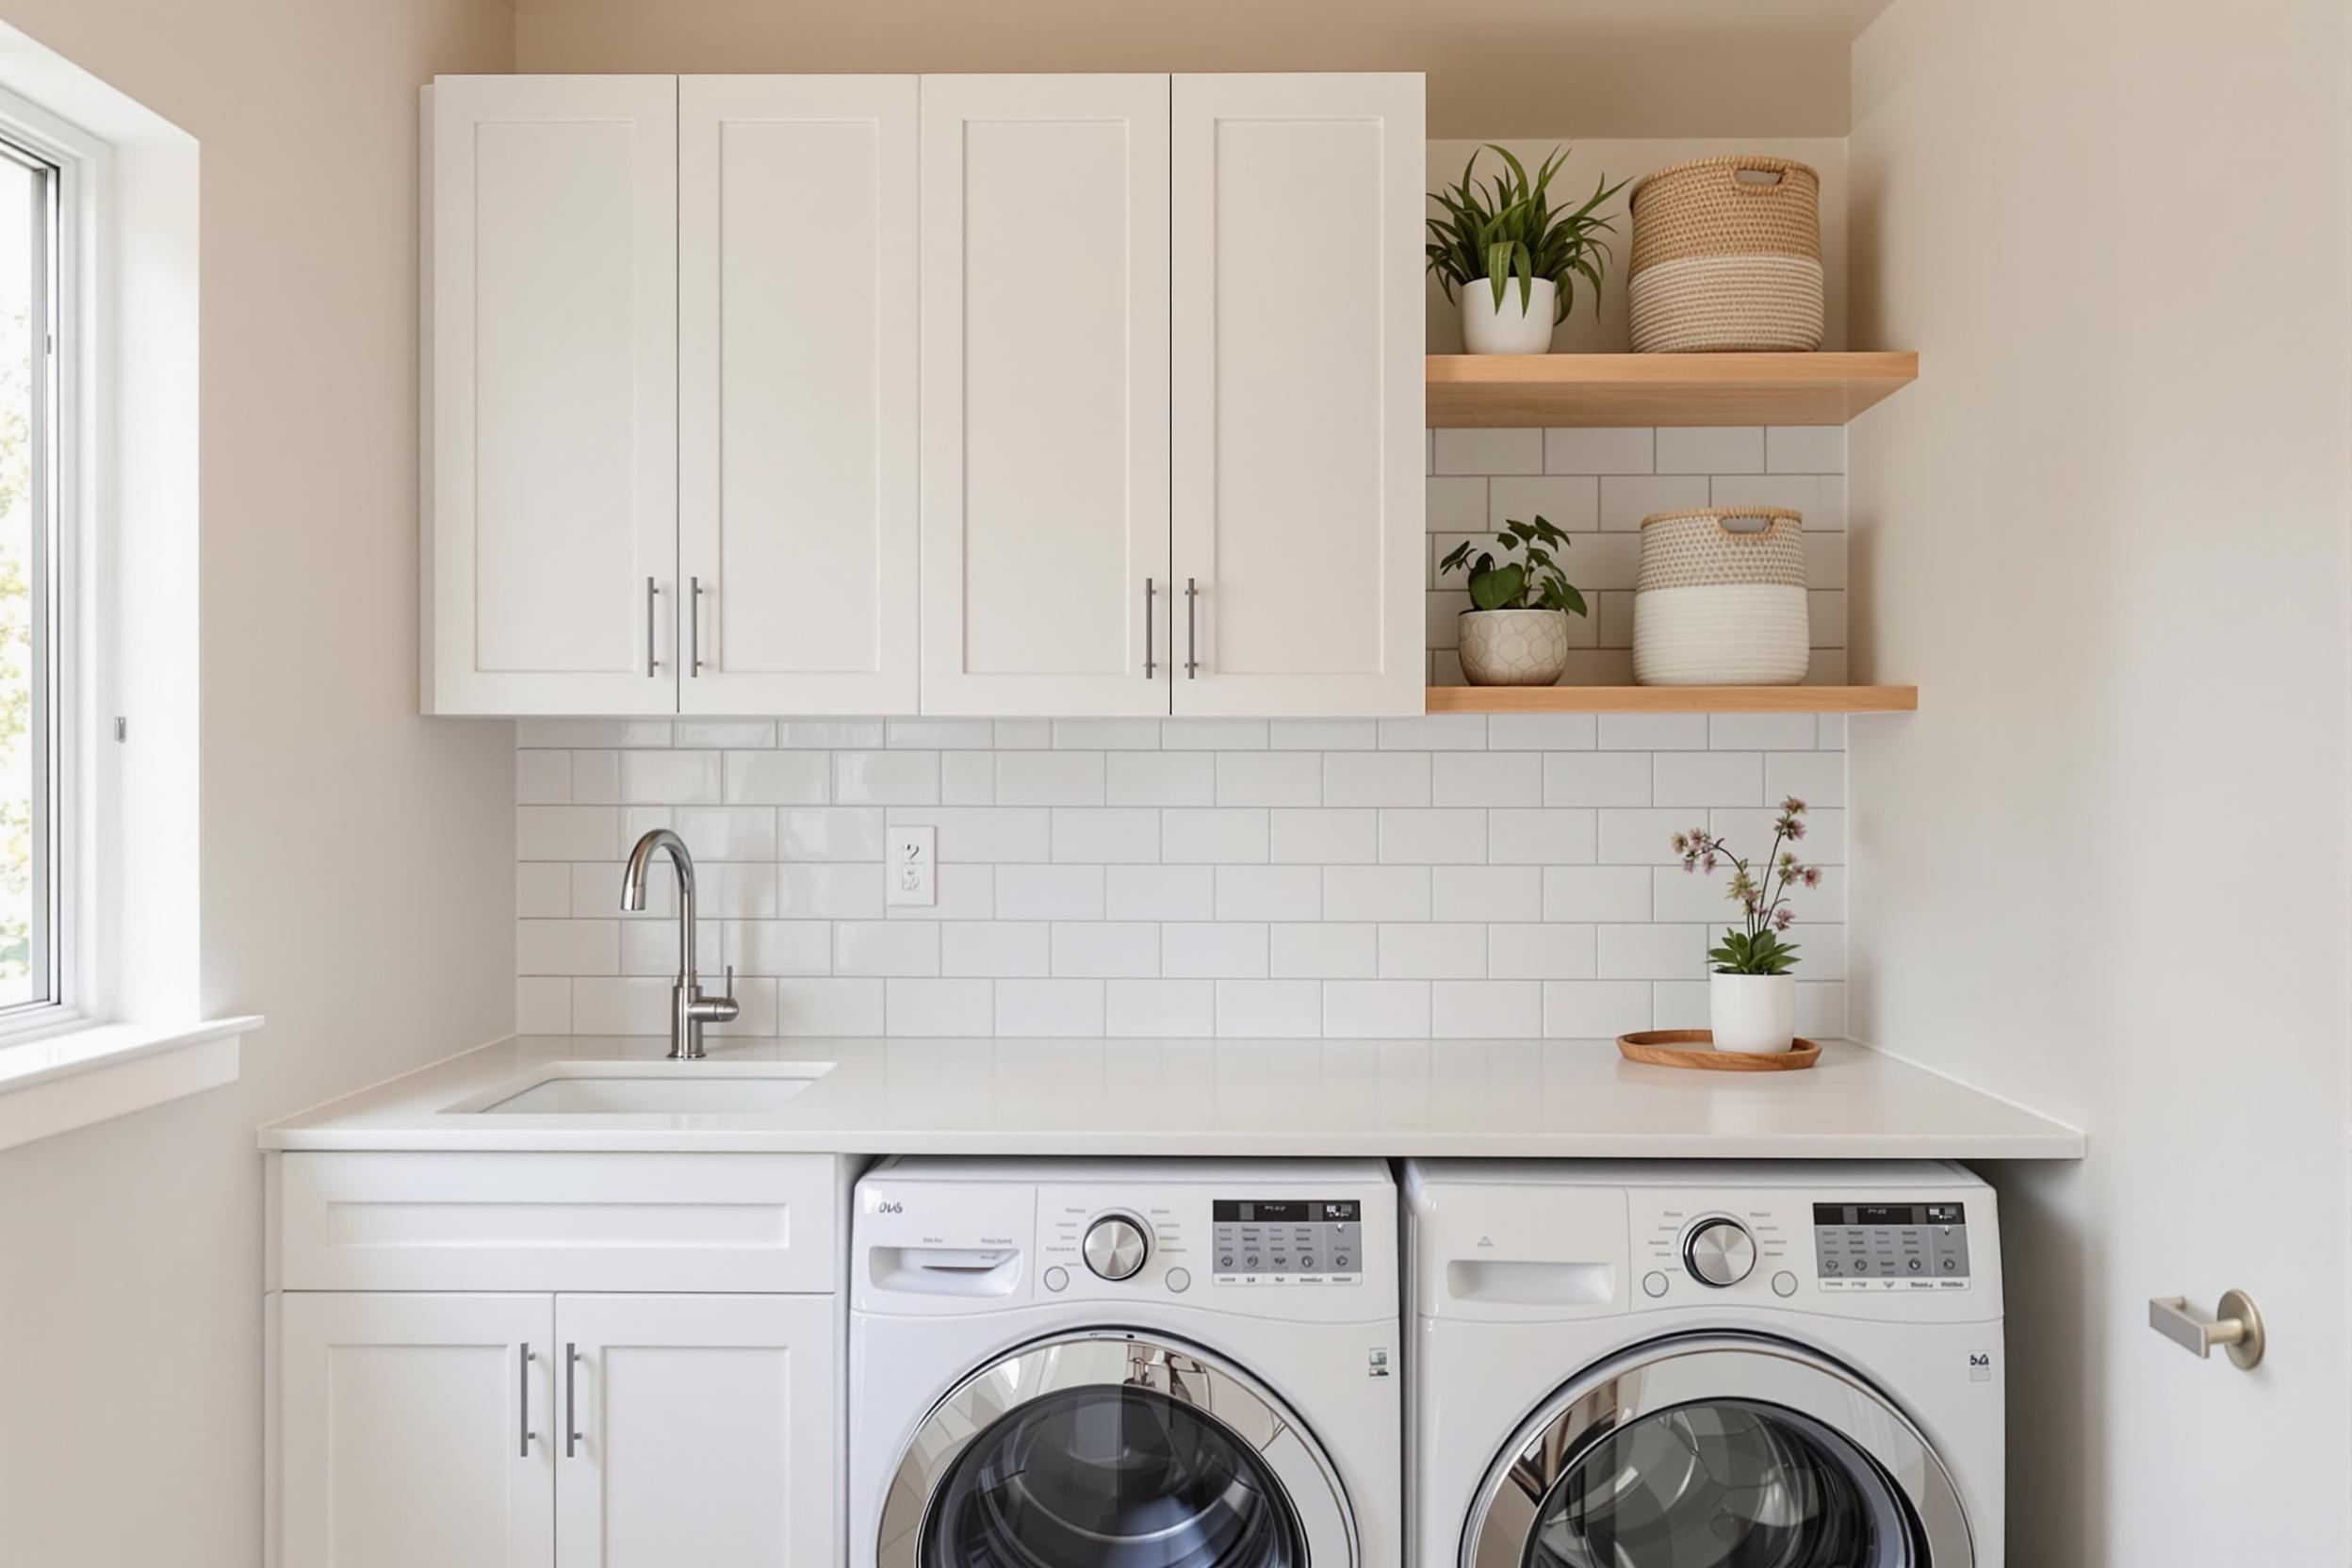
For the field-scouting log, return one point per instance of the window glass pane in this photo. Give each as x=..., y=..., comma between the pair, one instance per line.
x=1722, y=1484
x=24, y=621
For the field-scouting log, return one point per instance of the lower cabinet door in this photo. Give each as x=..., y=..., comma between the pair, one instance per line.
x=416, y=1428
x=696, y=1430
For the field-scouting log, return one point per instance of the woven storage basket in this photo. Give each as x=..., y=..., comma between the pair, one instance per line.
x=1721, y=263
x=1716, y=607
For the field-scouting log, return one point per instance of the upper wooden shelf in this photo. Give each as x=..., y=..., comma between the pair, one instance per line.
x=1673, y=700
x=1502, y=390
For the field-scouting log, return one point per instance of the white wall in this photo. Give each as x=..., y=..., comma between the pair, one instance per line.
x=2103, y=870
x=357, y=859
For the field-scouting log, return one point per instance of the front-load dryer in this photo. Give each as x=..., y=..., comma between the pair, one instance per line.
x=1704, y=1365
x=1125, y=1365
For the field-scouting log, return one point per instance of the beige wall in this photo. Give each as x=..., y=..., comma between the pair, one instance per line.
x=2102, y=870
x=357, y=859
x=1497, y=68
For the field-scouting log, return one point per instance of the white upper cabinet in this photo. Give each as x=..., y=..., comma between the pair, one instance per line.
x=1045, y=232
x=698, y=1429
x=1297, y=406
x=796, y=394
x=552, y=452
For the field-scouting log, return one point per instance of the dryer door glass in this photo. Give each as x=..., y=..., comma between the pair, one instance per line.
x=1111, y=1478
x=1722, y=1484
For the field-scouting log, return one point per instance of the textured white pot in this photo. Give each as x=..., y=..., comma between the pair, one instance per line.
x=1509, y=329
x=1754, y=1014
x=1514, y=647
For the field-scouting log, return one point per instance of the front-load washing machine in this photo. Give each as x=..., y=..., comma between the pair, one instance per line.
x=1125, y=1365
x=1704, y=1365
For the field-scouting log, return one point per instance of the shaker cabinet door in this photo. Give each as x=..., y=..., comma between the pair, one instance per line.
x=551, y=443
x=1297, y=402
x=797, y=302
x=1044, y=394
x=416, y=1428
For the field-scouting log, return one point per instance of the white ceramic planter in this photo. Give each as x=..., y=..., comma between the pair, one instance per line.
x=1510, y=330
x=1514, y=647
x=1754, y=1014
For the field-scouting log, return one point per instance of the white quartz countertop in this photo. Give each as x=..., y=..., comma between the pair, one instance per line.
x=1404, y=1097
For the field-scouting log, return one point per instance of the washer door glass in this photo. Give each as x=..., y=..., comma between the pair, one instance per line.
x=1110, y=1478
x=1722, y=1484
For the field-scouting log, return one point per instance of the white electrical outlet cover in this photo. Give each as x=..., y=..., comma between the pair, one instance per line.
x=911, y=873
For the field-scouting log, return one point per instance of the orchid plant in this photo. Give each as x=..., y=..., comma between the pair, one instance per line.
x=1755, y=947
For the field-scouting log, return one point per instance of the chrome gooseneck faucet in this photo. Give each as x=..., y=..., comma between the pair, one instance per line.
x=689, y=1008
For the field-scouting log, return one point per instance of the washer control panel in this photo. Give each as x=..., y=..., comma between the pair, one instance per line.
x=1291, y=1241
x=1891, y=1246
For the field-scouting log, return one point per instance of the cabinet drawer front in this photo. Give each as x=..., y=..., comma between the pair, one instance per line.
x=513, y=1221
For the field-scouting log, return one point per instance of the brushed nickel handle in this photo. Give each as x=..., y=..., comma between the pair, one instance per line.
x=571, y=1401
x=1150, y=591
x=1192, y=595
x=2236, y=1326
x=522, y=1405
x=694, y=624
x=653, y=665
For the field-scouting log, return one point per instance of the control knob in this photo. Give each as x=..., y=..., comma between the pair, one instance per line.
x=1116, y=1246
x=1719, y=1252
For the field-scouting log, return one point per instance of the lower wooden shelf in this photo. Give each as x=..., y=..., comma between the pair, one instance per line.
x=1673, y=700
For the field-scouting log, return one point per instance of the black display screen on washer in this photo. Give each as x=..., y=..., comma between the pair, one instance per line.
x=1293, y=1211
x=1891, y=1246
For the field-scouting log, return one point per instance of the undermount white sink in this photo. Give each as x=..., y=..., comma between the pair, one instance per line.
x=653, y=1089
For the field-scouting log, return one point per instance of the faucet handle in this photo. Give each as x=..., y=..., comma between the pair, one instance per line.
x=729, y=983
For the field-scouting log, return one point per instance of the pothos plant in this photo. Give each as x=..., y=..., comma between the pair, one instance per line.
x=1533, y=582
x=1509, y=229
x=1755, y=946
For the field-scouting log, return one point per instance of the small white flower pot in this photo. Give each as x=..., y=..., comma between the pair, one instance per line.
x=1754, y=1014
x=1509, y=329
x=1514, y=647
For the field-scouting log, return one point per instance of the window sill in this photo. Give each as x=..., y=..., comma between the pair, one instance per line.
x=60, y=1081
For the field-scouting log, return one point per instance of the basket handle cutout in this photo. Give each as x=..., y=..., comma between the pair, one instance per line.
x=1747, y=526
x=1757, y=179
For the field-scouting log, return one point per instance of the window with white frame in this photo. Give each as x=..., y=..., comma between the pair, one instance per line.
x=34, y=591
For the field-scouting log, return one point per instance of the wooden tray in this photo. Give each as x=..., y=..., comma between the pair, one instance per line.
x=1695, y=1047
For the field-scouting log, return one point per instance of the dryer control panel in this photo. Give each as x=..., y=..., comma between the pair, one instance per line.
x=1891, y=1246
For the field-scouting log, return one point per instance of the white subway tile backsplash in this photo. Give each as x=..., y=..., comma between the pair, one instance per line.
x=1269, y=893
x=1049, y=892
x=1159, y=1010
x=1225, y=835
x=1160, y=892
x=1486, y=779
x=1486, y=893
x=1066, y=1009
x=941, y=1008
x=1710, y=450
x=996, y=948
x=1376, y=892
x=1269, y=778
x=886, y=777
x=1600, y=450
x=1458, y=874
x=1486, y=1009
x=1433, y=952
x=1160, y=778
x=1376, y=1009
x=1269, y=1009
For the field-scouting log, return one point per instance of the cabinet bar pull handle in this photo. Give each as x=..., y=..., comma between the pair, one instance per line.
x=571, y=1401
x=523, y=1404
x=2236, y=1326
x=1151, y=590
x=653, y=665
x=694, y=622
x=1192, y=664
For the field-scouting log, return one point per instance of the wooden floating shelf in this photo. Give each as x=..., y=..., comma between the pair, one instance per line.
x=1505, y=390
x=1673, y=699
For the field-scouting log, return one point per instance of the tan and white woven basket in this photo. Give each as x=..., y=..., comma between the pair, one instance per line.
x=1719, y=606
x=1722, y=263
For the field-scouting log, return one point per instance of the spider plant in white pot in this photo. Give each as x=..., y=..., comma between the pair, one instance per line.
x=1517, y=632
x=1516, y=260
x=1752, y=996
